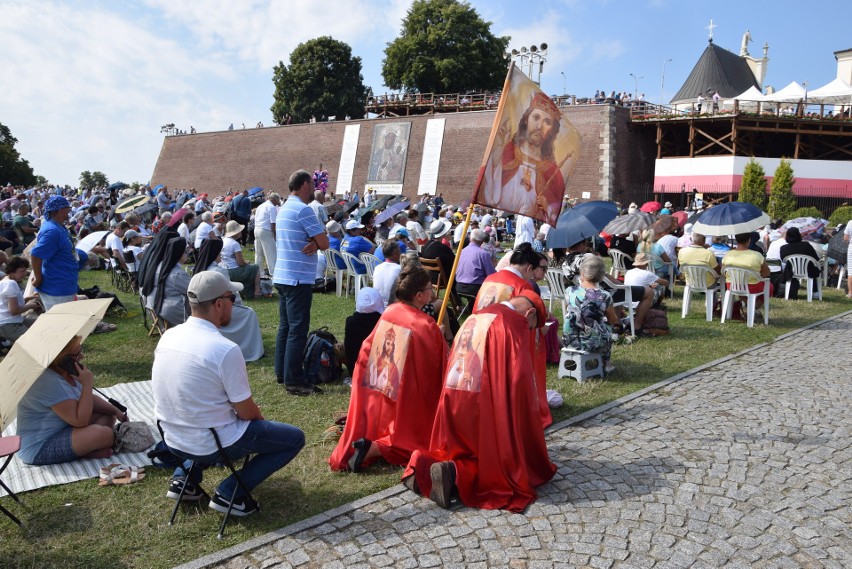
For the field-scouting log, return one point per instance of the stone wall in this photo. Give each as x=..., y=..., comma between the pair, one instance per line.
x=611, y=155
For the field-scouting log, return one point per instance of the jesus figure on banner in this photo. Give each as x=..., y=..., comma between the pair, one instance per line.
x=523, y=176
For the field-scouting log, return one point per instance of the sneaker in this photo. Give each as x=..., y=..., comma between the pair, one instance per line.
x=443, y=476
x=303, y=390
x=192, y=493
x=243, y=505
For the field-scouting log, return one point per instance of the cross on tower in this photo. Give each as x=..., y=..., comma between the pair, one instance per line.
x=711, y=27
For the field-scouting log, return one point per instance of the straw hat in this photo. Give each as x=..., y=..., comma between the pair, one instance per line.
x=233, y=228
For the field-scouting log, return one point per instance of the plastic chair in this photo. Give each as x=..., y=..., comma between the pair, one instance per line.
x=331, y=256
x=655, y=261
x=370, y=263
x=8, y=447
x=799, y=265
x=619, y=262
x=223, y=459
x=434, y=266
x=841, y=274
x=627, y=303
x=696, y=281
x=738, y=286
x=556, y=283
x=351, y=269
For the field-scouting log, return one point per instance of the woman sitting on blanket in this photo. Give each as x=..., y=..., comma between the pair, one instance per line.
x=60, y=419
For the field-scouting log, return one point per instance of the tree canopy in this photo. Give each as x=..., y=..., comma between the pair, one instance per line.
x=323, y=79
x=753, y=189
x=93, y=180
x=445, y=47
x=13, y=169
x=782, y=201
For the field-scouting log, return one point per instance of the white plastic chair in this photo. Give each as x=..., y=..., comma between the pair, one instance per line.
x=619, y=265
x=738, y=286
x=557, y=289
x=350, y=261
x=655, y=261
x=696, y=281
x=331, y=255
x=841, y=274
x=799, y=265
x=370, y=263
x=627, y=303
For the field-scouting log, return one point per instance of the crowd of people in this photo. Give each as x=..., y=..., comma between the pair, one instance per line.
x=461, y=405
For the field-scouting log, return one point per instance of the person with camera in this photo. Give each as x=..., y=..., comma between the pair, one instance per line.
x=60, y=418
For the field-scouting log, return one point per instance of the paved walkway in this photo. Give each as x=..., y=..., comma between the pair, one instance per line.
x=744, y=463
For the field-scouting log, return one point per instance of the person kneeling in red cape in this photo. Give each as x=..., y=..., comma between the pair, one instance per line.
x=396, y=382
x=487, y=445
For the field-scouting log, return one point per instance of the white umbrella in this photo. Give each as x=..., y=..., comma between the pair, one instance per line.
x=391, y=211
x=33, y=352
x=90, y=240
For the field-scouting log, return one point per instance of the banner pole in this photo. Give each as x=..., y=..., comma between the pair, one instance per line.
x=452, y=276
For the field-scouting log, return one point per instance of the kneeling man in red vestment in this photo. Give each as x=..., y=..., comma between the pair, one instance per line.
x=487, y=445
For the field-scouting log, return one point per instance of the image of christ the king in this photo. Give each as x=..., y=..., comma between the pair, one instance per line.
x=527, y=170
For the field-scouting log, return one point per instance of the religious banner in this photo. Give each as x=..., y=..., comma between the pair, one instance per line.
x=531, y=152
x=387, y=157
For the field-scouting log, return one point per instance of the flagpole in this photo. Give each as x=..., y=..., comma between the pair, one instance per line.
x=504, y=95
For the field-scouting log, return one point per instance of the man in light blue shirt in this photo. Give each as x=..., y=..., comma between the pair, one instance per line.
x=298, y=237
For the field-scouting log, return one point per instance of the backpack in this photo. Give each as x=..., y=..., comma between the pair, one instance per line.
x=321, y=362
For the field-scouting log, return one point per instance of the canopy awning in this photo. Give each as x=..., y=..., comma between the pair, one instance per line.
x=792, y=93
x=748, y=99
x=838, y=91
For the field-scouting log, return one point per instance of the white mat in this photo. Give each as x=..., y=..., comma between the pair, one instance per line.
x=138, y=399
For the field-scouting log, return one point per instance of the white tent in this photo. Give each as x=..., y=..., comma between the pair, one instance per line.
x=838, y=91
x=748, y=100
x=792, y=93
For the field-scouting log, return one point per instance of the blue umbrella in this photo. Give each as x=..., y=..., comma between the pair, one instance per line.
x=581, y=222
x=116, y=186
x=730, y=219
x=255, y=190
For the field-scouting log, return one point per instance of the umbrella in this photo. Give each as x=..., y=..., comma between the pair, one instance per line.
x=626, y=224
x=807, y=226
x=681, y=217
x=14, y=202
x=131, y=203
x=39, y=346
x=580, y=222
x=145, y=208
x=255, y=190
x=347, y=208
x=90, y=240
x=651, y=207
x=177, y=216
x=730, y=219
x=116, y=186
x=391, y=211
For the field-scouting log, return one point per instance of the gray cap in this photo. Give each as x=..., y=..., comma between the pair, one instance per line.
x=208, y=285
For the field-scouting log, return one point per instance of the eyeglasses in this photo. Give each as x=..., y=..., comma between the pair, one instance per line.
x=230, y=296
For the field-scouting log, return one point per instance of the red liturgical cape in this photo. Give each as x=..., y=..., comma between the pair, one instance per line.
x=395, y=386
x=500, y=287
x=490, y=429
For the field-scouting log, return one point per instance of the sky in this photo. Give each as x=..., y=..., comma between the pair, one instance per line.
x=86, y=85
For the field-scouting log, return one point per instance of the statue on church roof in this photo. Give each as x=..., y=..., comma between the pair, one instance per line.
x=744, y=45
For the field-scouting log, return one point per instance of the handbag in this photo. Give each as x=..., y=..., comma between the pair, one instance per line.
x=132, y=436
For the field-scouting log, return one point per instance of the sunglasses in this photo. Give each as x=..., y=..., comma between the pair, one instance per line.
x=230, y=296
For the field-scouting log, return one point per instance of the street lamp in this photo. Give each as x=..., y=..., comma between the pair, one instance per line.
x=663, y=81
x=564, y=90
x=636, y=85
x=527, y=57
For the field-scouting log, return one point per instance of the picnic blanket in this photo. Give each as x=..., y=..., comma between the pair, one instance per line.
x=138, y=399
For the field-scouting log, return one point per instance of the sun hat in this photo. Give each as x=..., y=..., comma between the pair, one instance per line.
x=233, y=228
x=208, y=285
x=439, y=228
x=369, y=300
x=130, y=234
x=333, y=227
x=353, y=224
x=641, y=259
x=399, y=231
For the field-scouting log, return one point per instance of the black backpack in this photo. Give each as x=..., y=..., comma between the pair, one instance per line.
x=321, y=362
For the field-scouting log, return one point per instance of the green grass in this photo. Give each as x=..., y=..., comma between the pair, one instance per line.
x=81, y=525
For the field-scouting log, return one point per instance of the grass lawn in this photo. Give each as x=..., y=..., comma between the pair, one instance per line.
x=81, y=525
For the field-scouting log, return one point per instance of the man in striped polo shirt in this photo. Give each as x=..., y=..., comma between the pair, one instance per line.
x=298, y=238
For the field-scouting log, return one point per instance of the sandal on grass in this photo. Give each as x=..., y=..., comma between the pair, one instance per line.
x=120, y=474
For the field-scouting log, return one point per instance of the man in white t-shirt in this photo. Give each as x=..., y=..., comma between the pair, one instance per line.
x=205, y=229
x=115, y=246
x=199, y=381
x=639, y=275
x=386, y=272
x=264, y=233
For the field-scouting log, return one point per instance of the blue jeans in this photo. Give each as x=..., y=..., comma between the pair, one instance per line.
x=276, y=444
x=294, y=318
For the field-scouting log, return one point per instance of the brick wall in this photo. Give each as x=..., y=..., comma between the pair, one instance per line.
x=611, y=155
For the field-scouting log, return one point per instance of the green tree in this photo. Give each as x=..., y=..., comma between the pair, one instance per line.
x=93, y=180
x=753, y=188
x=809, y=211
x=782, y=201
x=445, y=47
x=13, y=169
x=322, y=79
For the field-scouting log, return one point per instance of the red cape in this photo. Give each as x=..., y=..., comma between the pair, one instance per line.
x=494, y=435
x=398, y=418
x=500, y=287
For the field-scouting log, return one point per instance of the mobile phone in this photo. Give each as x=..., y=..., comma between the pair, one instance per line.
x=69, y=364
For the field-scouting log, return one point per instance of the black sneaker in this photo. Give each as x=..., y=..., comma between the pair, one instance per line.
x=304, y=390
x=243, y=505
x=192, y=493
